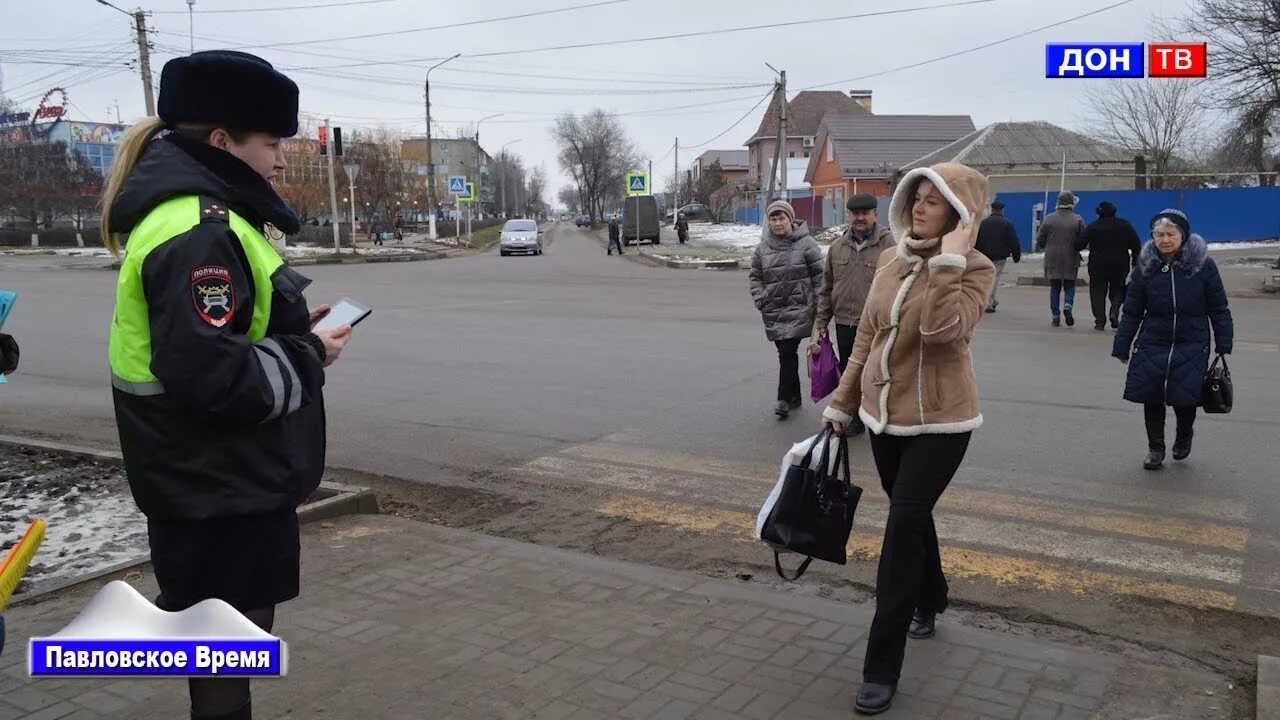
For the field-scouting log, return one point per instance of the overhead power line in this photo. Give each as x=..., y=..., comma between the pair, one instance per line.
x=976, y=48
x=677, y=36
x=349, y=3
x=468, y=23
x=731, y=127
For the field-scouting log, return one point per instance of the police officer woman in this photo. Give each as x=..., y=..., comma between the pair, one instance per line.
x=215, y=371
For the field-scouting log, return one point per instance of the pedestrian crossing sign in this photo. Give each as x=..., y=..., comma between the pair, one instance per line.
x=458, y=184
x=468, y=195
x=637, y=183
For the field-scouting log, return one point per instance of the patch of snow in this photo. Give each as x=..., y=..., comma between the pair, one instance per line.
x=725, y=235
x=1265, y=244
x=297, y=251
x=93, y=522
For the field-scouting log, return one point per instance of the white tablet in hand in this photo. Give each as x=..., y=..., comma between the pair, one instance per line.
x=344, y=312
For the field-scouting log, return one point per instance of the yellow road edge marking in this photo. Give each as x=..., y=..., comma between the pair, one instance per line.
x=1087, y=516
x=1004, y=570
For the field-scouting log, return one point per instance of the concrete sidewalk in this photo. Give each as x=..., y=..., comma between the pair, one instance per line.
x=400, y=619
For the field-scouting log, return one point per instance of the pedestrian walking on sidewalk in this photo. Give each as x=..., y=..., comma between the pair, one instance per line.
x=786, y=277
x=216, y=372
x=1114, y=248
x=911, y=380
x=615, y=235
x=1175, y=296
x=682, y=229
x=1061, y=236
x=998, y=240
x=846, y=278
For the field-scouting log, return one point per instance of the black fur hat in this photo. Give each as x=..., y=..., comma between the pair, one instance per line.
x=225, y=87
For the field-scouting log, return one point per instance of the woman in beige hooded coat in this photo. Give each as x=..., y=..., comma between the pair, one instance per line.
x=910, y=379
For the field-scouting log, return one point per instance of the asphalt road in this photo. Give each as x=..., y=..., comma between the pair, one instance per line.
x=596, y=401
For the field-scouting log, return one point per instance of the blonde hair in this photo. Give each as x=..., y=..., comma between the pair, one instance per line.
x=135, y=142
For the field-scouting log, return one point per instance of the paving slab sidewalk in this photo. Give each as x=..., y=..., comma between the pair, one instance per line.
x=401, y=619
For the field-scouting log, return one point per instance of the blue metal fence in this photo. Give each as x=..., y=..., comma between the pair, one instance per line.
x=1216, y=214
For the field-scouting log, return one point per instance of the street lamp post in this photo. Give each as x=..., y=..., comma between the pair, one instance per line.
x=503, y=154
x=431, y=168
x=191, y=24
x=480, y=154
x=352, y=171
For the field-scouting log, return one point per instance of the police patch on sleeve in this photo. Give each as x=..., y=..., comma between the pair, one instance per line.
x=213, y=294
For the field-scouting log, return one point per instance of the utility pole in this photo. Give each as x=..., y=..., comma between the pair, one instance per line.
x=431, y=168
x=782, y=139
x=333, y=196
x=675, y=197
x=191, y=23
x=144, y=55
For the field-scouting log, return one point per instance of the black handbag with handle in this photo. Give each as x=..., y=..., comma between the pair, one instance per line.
x=813, y=515
x=1218, y=393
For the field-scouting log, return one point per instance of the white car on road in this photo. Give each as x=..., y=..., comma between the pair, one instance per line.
x=521, y=236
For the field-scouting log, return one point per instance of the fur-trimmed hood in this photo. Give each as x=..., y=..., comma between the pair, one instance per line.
x=965, y=188
x=1188, y=261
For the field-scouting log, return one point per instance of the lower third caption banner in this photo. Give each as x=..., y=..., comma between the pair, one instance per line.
x=62, y=657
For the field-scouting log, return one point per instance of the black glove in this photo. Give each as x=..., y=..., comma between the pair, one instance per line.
x=8, y=354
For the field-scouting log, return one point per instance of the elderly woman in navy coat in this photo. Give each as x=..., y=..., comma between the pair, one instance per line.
x=1175, y=296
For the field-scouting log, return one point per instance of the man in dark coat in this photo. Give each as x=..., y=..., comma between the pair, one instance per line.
x=1176, y=296
x=1113, y=247
x=614, y=236
x=1060, y=237
x=682, y=229
x=998, y=240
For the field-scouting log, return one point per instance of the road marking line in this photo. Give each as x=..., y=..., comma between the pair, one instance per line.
x=1011, y=535
x=957, y=562
x=1078, y=514
x=1147, y=501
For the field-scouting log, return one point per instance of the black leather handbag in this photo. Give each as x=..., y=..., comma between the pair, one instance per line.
x=1218, y=393
x=813, y=515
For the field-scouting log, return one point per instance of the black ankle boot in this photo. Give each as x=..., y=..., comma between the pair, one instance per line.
x=874, y=698
x=1155, y=458
x=1182, y=445
x=923, y=625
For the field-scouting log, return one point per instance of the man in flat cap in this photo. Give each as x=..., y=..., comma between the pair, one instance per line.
x=998, y=240
x=846, y=279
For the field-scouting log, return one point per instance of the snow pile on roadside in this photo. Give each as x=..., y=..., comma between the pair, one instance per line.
x=93, y=522
x=725, y=235
x=831, y=234
x=299, y=251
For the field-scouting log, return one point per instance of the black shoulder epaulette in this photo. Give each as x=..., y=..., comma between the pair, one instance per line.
x=211, y=209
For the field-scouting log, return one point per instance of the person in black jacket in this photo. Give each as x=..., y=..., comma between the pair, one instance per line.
x=998, y=240
x=1114, y=248
x=217, y=372
x=8, y=354
x=615, y=236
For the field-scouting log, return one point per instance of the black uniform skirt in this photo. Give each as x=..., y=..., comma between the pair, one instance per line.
x=249, y=561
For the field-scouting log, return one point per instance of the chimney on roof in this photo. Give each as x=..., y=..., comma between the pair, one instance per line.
x=862, y=97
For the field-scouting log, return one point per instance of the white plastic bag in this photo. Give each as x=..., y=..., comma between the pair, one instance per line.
x=793, y=457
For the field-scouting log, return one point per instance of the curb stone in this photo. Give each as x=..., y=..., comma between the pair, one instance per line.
x=1268, y=707
x=330, y=500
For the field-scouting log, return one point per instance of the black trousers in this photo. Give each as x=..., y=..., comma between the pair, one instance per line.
x=1103, y=286
x=1155, y=414
x=845, y=335
x=913, y=471
x=789, y=370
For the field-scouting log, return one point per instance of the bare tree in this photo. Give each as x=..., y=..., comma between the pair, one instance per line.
x=385, y=179
x=721, y=202
x=38, y=179
x=569, y=196
x=1244, y=56
x=537, y=187
x=1159, y=120
x=596, y=153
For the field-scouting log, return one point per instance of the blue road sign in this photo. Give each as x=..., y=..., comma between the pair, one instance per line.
x=458, y=184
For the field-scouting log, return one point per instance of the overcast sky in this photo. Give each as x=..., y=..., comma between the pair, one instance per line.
x=1004, y=82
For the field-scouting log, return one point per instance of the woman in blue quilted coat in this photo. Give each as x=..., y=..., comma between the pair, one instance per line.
x=1175, y=296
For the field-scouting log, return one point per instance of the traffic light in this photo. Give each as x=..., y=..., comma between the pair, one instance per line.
x=324, y=139
x=337, y=141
